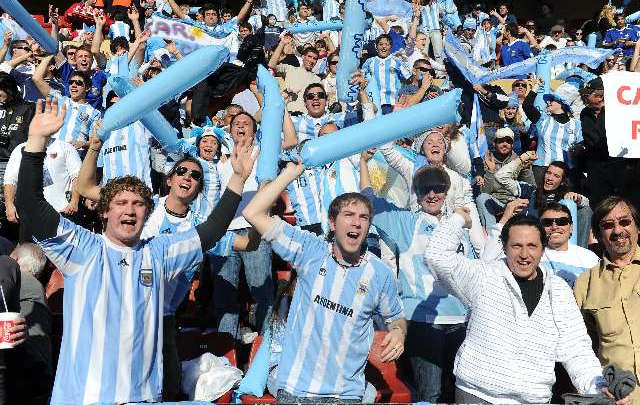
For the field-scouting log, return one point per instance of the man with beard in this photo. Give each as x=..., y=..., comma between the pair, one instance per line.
x=608, y=293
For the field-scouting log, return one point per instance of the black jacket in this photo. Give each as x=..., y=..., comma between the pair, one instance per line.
x=14, y=126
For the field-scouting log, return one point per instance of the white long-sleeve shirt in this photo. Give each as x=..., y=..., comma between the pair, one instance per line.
x=507, y=355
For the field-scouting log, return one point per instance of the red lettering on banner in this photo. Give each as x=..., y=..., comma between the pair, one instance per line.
x=635, y=128
x=626, y=99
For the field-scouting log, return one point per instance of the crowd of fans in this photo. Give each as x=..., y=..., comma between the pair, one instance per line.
x=495, y=253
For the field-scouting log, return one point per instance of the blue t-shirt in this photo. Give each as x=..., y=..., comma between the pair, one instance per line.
x=627, y=33
x=515, y=52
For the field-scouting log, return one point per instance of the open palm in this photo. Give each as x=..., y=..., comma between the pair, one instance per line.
x=47, y=122
x=243, y=158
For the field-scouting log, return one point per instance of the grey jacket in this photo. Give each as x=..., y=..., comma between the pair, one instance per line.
x=494, y=188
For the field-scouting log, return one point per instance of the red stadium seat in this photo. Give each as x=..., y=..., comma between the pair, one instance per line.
x=386, y=377
x=192, y=344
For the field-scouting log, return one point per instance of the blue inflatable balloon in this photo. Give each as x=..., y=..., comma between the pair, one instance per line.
x=591, y=40
x=399, y=8
x=573, y=209
x=351, y=46
x=543, y=71
x=314, y=26
x=162, y=131
x=270, y=127
x=30, y=25
x=171, y=82
x=387, y=128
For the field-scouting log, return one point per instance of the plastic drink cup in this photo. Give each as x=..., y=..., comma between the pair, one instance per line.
x=7, y=320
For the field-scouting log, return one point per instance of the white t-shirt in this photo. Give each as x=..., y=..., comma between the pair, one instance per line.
x=61, y=167
x=250, y=190
x=570, y=263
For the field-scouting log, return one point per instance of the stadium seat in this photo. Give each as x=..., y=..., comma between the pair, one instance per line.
x=386, y=377
x=192, y=344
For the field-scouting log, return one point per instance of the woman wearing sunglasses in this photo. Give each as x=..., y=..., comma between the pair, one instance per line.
x=434, y=315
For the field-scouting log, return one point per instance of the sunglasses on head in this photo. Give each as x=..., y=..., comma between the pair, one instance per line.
x=504, y=139
x=608, y=225
x=195, y=174
x=436, y=188
x=317, y=95
x=562, y=221
x=76, y=82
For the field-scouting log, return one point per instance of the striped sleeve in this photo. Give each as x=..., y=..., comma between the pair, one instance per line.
x=180, y=251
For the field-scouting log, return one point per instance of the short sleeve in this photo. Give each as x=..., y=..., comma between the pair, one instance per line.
x=294, y=245
x=73, y=247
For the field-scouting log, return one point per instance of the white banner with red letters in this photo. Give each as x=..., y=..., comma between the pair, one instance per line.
x=622, y=118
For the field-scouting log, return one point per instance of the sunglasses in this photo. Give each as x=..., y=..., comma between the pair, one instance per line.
x=556, y=32
x=523, y=85
x=76, y=82
x=333, y=62
x=195, y=174
x=505, y=139
x=562, y=221
x=423, y=69
x=436, y=188
x=578, y=33
x=608, y=225
x=24, y=48
x=317, y=95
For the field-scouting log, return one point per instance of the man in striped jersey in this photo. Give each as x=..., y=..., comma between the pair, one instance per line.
x=114, y=283
x=307, y=126
x=429, y=15
x=523, y=319
x=330, y=328
x=80, y=117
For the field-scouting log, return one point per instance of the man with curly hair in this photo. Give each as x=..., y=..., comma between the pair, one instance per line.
x=111, y=349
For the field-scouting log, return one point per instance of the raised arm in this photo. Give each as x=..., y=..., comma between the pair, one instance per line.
x=54, y=20
x=38, y=76
x=6, y=41
x=257, y=211
x=285, y=39
x=211, y=230
x=176, y=9
x=39, y=218
x=100, y=21
x=86, y=184
x=244, y=11
x=290, y=138
x=415, y=21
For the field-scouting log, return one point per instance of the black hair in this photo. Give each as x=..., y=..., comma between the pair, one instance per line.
x=429, y=175
x=85, y=77
x=556, y=206
x=310, y=49
x=513, y=29
x=188, y=159
x=9, y=85
x=16, y=43
x=562, y=188
x=209, y=6
x=246, y=24
x=118, y=42
x=384, y=36
x=147, y=74
x=523, y=220
x=605, y=207
x=311, y=86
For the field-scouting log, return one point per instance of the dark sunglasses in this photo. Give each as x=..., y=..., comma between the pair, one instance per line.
x=24, y=48
x=77, y=82
x=578, y=33
x=608, y=225
x=423, y=69
x=523, y=85
x=195, y=174
x=562, y=221
x=317, y=95
x=504, y=139
x=437, y=188
x=333, y=62
x=556, y=32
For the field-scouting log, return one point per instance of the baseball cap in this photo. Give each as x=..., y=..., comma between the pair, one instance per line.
x=504, y=133
x=592, y=85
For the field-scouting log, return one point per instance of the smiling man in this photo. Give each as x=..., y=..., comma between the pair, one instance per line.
x=114, y=283
x=340, y=286
x=608, y=293
x=523, y=318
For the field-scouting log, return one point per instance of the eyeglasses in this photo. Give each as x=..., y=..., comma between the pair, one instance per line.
x=76, y=82
x=523, y=85
x=562, y=221
x=436, y=188
x=608, y=225
x=317, y=95
x=195, y=174
x=504, y=139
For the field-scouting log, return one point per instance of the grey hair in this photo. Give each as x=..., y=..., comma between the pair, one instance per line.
x=30, y=257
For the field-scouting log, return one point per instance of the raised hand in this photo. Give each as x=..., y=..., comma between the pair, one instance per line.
x=6, y=39
x=465, y=213
x=132, y=13
x=243, y=158
x=48, y=122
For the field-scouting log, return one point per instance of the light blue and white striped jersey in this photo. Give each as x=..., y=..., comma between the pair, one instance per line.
x=308, y=127
x=388, y=72
x=78, y=121
x=305, y=194
x=160, y=222
x=424, y=298
x=570, y=263
x=211, y=184
x=555, y=139
x=119, y=29
x=277, y=8
x=329, y=327
x=111, y=349
x=127, y=152
x=330, y=9
x=430, y=17
x=484, y=47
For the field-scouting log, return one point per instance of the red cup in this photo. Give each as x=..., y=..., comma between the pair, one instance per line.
x=7, y=320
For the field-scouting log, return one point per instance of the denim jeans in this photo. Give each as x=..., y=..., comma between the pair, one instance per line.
x=225, y=272
x=488, y=208
x=431, y=349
